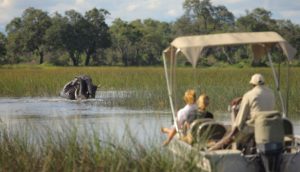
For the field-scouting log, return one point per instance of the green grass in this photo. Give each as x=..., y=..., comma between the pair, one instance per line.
x=71, y=151
x=147, y=83
x=68, y=151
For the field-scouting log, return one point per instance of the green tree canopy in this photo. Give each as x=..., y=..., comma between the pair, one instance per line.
x=258, y=19
x=202, y=17
x=3, y=42
x=28, y=32
x=124, y=37
x=15, y=44
x=73, y=35
x=97, y=32
x=88, y=40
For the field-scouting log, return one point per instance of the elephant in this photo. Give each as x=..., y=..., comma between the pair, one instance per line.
x=81, y=87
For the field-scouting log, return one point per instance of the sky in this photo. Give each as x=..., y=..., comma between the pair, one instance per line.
x=128, y=10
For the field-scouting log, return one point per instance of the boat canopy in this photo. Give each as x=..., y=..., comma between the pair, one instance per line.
x=261, y=42
x=192, y=47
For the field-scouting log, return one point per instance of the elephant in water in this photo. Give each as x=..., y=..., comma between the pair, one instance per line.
x=81, y=87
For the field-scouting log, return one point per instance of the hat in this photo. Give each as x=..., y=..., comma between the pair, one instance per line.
x=257, y=79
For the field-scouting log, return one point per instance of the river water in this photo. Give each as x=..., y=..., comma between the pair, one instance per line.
x=35, y=116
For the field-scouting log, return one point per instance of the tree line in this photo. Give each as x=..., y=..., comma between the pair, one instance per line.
x=86, y=39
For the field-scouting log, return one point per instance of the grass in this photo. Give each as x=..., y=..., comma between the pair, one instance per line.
x=68, y=150
x=147, y=83
x=71, y=151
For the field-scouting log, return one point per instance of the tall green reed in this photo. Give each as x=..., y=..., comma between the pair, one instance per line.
x=147, y=84
x=71, y=150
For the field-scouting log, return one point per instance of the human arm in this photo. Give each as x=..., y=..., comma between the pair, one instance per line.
x=237, y=125
x=243, y=113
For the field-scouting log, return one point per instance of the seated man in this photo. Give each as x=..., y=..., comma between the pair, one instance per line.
x=259, y=98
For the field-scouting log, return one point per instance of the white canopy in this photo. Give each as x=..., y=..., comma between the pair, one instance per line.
x=192, y=46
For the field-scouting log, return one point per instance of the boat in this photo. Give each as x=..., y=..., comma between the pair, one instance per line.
x=231, y=159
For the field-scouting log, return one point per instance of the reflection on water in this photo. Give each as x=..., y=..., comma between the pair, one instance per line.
x=36, y=116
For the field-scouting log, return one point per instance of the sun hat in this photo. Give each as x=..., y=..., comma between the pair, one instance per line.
x=257, y=79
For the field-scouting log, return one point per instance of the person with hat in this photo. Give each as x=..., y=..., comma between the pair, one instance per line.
x=259, y=98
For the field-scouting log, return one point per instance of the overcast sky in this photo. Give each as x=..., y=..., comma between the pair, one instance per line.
x=163, y=10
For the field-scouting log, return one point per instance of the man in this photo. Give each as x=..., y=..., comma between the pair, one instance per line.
x=259, y=98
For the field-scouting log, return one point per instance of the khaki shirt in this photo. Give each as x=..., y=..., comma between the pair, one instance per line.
x=259, y=98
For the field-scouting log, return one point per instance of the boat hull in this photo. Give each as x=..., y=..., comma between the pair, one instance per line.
x=229, y=160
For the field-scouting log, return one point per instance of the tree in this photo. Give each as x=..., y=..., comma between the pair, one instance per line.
x=14, y=25
x=73, y=35
x=124, y=37
x=257, y=20
x=290, y=32
x=35, y=22
x=55, y=45
x=156, y=36
x=26, y=34
x=3, y=42
x=200, y=12
x=15, y=43
x=223, y=19
x=54, y=33
x=184, y=26
x=201, y=17
x=78, y=34
x=97, y=32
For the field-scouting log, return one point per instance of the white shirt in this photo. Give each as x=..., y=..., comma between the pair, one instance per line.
x=259, y=98
x=183, y=113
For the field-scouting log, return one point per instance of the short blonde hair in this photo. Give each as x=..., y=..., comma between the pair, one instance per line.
x=203, y=101
x=189, y=96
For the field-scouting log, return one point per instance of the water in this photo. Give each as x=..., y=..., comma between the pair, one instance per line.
x=36, y=116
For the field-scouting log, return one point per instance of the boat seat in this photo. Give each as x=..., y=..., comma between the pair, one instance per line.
x=210, y=131
x=190, y=135
x=195, y=125
x=288, y=134
x=288, y=127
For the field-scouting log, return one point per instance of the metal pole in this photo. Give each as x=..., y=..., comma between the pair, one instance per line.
x=170, y=93
x=287, y=89
x=277, y=86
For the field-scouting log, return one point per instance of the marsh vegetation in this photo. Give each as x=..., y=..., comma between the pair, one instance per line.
x=73, y=149
x=145, y=87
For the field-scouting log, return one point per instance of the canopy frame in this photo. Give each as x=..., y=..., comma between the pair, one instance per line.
x=192, y=47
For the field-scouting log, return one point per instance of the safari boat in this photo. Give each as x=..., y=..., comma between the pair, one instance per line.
x=231, y=160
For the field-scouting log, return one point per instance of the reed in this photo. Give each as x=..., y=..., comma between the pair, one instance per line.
x=147, y=84
x=71, y=150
